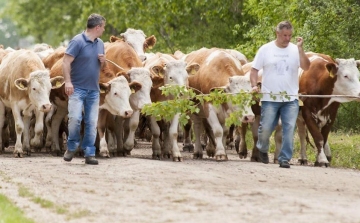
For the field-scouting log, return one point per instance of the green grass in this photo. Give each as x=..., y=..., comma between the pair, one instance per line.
x=9, y=213
x=345, y=149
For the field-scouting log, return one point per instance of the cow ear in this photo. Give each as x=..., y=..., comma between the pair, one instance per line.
x=125, y=74
x=21, y=84
x=122, y=36
x=357, y=63
x=150, y=42
x=158, y=70
x=192, y=68
x=57, y=82
x=113, y=39
x=135, y=86
x=332, y=68
x=104, y=87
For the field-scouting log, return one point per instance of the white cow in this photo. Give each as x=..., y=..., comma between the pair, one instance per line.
x=26, y=89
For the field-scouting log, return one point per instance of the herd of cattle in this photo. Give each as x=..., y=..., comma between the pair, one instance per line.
x=32, y=92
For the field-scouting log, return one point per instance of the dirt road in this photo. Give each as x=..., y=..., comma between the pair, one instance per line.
x=139, y=189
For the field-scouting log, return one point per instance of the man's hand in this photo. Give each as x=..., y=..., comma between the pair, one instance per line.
x=69, y=88
x=101, y=57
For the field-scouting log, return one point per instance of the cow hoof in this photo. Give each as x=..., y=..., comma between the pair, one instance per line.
x=221, y=158
x=156, y=157
x=188, y=147
x=242, y=155
x=276, y=161
x=175, y=159
x=303, y=162
x=254, y=159
x=55, y=153
x=18, y=155
x=197, y=156
x=122, y=153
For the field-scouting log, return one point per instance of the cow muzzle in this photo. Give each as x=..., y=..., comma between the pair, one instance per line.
x=45, y=108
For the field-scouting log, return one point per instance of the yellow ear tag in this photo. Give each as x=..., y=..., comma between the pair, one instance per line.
x=58, y=83
x=132, y=91
x=193, y=71
x=21, y=85
x=102, y=91
x=150, y=47
x=332, y=75
x=260, y=103
x=301, y=103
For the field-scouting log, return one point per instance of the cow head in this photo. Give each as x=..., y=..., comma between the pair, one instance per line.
x=142, y=96
x=38, y=87
x=136, y=39
x=236, y=85
x=172, y=72
x=347, y=79
x=115, y=94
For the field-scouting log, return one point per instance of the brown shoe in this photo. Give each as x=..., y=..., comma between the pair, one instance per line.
x=91, y=160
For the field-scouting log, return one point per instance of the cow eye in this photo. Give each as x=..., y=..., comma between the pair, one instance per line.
x=346, y=76
x=115, y=93
x=34, y=89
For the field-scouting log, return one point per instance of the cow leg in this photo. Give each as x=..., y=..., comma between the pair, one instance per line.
x=48, y=140
x=254, y=130
x=19, y=127
x=302, y=136
x=187, y=145
x=56, y=121
x=37, y=141
x=133, y=123
x=240, y=142
x=230, y=144
x=119, y=132
x=101, y=124
x=2, y=122
x=327, y=151
x=173, y=135
x=316, y=134
x=198, y=150
x=111, y=141
x=155, y=130
x=217, y=131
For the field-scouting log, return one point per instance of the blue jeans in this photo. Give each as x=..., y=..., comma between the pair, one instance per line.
x=270, y=114
x=87, y=101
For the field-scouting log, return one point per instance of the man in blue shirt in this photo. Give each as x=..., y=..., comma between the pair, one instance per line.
x=81, y=69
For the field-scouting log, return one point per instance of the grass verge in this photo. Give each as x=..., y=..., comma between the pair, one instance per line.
x=9, y=213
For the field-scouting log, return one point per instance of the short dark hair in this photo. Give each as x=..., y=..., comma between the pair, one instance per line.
x=283, y=25
x=95, y=20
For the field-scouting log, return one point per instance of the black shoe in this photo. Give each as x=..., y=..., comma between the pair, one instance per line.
x=264, y=157
x=91, y=160
x=68, y=155
x=284, y=164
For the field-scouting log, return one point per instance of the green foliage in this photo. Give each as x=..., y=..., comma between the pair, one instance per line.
x=9, y=213
x=183, y=103
x=348, y=118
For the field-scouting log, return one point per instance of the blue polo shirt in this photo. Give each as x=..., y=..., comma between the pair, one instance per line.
x=85, y=68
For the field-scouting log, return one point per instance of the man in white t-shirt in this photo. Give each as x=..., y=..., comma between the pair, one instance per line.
x=280, y=60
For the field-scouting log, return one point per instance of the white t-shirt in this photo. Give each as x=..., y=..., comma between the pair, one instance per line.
x=280, y=70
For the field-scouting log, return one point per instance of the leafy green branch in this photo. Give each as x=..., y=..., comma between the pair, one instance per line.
x=185, y=102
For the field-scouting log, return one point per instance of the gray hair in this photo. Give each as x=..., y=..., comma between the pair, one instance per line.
x=284, y=25
x=95, y=20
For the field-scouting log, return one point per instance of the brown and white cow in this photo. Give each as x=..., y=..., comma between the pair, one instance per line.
x=138, y=41
x=122, y=57
x=218, y=69
x=166, y=70
x=326, y=76
x=26, y=89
